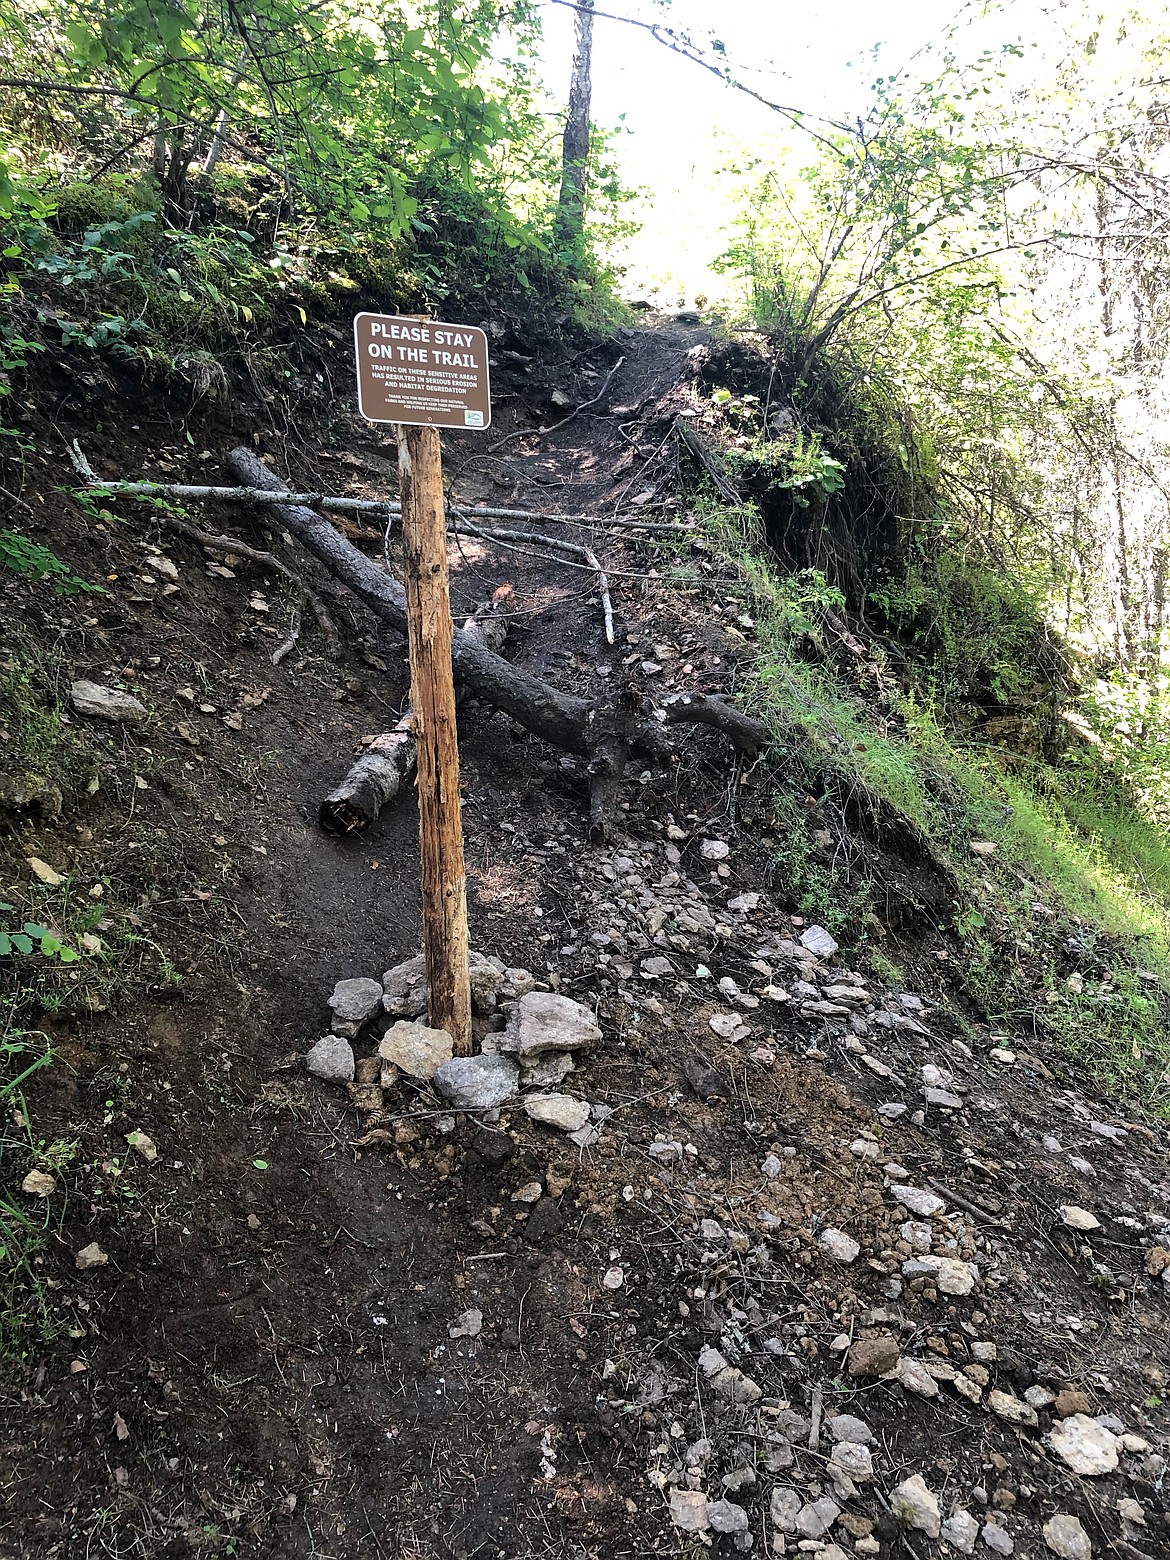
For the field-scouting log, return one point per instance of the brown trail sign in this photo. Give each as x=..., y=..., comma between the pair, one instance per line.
x=425, y=375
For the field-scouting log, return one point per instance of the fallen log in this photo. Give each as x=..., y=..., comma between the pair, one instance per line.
x=566, y=720
x=388, y=759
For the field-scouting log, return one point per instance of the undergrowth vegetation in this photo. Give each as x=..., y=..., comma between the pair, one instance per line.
x=1055, y=887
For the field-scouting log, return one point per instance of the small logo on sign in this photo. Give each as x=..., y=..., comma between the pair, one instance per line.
x=473, y=419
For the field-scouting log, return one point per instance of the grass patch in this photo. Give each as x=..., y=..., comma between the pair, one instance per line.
x=1065, y=928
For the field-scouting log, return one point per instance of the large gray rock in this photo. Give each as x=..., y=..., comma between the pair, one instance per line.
x=405, y=988
x=90, y=698
x=545, y=1021
x=478, y=1082
x=331, y=1059
x=557, y=1110
x=414, y=1049
x=354, y=1002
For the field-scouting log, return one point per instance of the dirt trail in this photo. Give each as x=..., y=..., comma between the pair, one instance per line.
x=670, y=1327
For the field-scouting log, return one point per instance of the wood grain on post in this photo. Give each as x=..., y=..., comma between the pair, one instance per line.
x=444, y=883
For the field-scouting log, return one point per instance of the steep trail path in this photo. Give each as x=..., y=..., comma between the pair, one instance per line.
x=811, y=1192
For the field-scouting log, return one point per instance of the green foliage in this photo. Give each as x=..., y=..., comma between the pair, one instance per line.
x=33, y=562
x=26, y=1313
x=33, y=936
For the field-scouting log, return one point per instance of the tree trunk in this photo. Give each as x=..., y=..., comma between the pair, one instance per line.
x=570, y=222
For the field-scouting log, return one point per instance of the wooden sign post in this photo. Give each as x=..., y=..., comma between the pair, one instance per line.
x=424, y=375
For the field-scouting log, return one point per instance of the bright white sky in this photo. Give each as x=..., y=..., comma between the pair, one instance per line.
x=681, y=122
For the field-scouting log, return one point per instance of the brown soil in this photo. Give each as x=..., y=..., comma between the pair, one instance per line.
x=263, y=1367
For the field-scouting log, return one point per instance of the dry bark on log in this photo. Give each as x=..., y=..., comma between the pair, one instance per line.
x=565, y=720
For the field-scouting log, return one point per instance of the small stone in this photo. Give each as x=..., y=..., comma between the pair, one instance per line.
x=852, y=1459
x=89, y=698
x=819, y=942
x=724, y=1516
x=478, y=1082
x=942, y=1098
x=547, y=1070
x=657, y=966
x=784, y=1508
x=141, y=1144
x=404, y=988
x=847, y=1427
x=613, y=1278
x=469, y=1325
x=1065, y=1536
x=332, y=1059
x=688, y=1510
x=874, y=1356
x=666, y=1153
x=38, y=1183
x=913, y=1504
x=1084, y=1446
x=817, y=1517
x=728, y=1026
x=354, y=1002
x=838, y=1246
x=916, y=1378
x=997, y=1538
x=1040, y=1397
x=744, y=904
x=415, y=1049
x=494, y=1148
x=90, y=1256
x=714, y=850
x=1010, y=1408
x=924, y=1204
x=960, y=1531
x=772, y=1167
x=557, y=1110
x=1078, y=1218
x=531, y=1192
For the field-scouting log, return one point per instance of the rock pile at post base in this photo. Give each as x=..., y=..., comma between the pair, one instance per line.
x=529, y=1038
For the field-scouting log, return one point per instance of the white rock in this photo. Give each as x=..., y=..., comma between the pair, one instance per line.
x=821, y=944
x=960, y=1531
x=1010, y=1408
x=545, y=1021
x=332, y=1059
x=916, y=1378
x=1078, y=1218
x=557, y=1110
x=839, y=1246
x=90, y=698
x=728, y=1026
x=90, y=1256
x=912, y=1503
x=997, y=1538
x=547, y=1070
x=772, y=1167
x=688, y=1510
x=1065, y=1536
x=469, y=1325
x=38, y=1183
x=665, y=1153
x=853, y=1459
x=613, y=1278
x=924, y=1204
x=784, y=1508
x=477, y=1082
x=415, y=1049
x=744, y=903
x=1083, y=1445
x=724, y=1516
x=714, y=850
